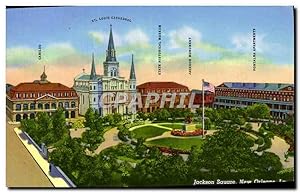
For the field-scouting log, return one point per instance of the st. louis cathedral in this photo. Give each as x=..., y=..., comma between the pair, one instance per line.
x=90, y=87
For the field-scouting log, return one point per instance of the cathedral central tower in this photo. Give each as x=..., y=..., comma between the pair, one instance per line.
x=111, y=65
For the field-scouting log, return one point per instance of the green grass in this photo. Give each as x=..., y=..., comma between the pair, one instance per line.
x=172, y=125
x=148, y=132
x=176, y=143
x=179, y=126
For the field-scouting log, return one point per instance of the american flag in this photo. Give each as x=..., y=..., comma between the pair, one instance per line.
x=208, y=87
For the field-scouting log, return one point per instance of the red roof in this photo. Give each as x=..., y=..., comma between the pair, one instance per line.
x=34, y=87
x=154, y=85
x=37, y=86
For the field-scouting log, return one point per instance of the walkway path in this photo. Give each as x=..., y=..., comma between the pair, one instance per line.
x=150, y=124
x=280, y=147
x=110, y=139
x=44, y=165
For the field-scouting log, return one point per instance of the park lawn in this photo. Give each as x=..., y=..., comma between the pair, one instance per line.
x=176, y=143
x=172, y=125
x=148, y=132
x=179, y=126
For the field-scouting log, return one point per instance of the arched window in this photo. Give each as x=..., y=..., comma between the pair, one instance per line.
x=72, y=114
x=40, y=106
x=53, y=106
x=25, y=116
x=73, y=104
x=32, y=116
x=18, y=107
x=66, y=104
x=67, y=114
x=25, y=106
x=32, y=106
x=18, y=117
x=60, y=104
x=47, y=106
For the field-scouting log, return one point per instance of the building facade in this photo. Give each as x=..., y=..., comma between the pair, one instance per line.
x=101, y=92
x=160, y=88
x=279, y=97
x=25, y=100
x=208, y=98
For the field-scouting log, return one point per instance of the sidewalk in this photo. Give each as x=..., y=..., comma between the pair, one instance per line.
x=44, y=165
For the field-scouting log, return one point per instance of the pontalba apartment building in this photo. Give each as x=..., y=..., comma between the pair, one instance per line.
x=25, y=100
x=279, y=97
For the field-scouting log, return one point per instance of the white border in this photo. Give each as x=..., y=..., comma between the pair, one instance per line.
x=4, y=3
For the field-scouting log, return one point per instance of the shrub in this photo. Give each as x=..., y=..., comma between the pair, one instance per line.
x=248, y=127
x=267, y=144
x=286, y=174
x=259, y=141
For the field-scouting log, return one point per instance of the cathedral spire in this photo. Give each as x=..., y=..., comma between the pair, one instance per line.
x=110, y=52
x=93, y=70
x=132, y=71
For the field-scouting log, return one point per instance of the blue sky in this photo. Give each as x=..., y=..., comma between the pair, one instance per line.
x=212, y=28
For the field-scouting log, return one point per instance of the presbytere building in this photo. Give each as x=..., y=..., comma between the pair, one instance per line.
x=160, y=88
x=26, y=99
x=278, y=96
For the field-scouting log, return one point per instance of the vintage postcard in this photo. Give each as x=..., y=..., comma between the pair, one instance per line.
x=150, y=97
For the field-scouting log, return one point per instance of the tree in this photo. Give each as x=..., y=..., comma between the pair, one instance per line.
x=70, y=156
x=258, y=111
x=109, y=119
x=142, y=115
x=90, y=118
x=92, y=139
x=227, y=154
x=30, y=127
x=163, y=115
x=59, y=125
x=248, y=127
x=117, y=118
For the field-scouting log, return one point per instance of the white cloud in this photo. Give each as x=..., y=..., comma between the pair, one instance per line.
x=137, y=37
x=244, y=42
x=97, y=36
x=53, y=54
x=100, y=37
x=179, y=37
x=20, y=56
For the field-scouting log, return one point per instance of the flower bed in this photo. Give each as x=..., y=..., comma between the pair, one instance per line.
x=196, y=132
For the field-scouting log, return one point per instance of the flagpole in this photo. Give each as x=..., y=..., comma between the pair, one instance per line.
x=203, y=109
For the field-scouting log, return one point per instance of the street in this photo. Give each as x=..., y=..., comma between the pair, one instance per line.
x=21, y=168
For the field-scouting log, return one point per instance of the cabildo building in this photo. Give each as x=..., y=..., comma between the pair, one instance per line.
x=279, y=97
x=26, y=99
